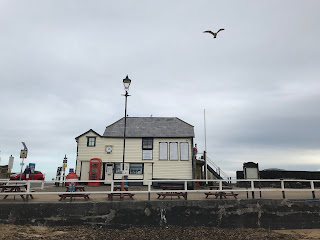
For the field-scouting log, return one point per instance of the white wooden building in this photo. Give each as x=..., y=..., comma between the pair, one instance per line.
x=156, y=148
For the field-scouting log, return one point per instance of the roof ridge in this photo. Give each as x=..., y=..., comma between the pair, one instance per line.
x=114, y=123
x=184, y=122
x=90, y=130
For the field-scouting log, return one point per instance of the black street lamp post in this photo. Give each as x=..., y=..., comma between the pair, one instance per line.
x=126, y=83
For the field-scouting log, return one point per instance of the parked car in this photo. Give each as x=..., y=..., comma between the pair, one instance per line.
x=37, y=175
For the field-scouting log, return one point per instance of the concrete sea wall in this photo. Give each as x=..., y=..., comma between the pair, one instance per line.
x=273, y=214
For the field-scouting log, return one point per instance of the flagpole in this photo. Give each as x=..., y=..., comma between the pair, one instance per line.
x=205, y=145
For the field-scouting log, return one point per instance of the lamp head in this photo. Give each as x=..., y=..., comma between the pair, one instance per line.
x=126, y=83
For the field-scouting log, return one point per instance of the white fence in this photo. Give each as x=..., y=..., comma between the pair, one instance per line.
x=251, y=186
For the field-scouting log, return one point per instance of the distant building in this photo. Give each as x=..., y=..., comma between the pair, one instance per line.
x=156, y=148
x=276, y=173
x=4, y=172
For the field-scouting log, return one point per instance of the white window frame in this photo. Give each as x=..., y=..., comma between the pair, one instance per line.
x=177, y=151
x=181, y=159
x=163, y=159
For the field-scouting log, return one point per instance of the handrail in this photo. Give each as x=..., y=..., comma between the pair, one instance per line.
x=220, y=171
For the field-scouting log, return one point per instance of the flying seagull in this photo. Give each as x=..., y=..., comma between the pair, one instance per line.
x=214, y=34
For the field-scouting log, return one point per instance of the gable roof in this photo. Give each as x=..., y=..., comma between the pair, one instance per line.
x=87, y=132
x=150, y=127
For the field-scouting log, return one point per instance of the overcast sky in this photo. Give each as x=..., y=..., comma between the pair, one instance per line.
x=62, y=64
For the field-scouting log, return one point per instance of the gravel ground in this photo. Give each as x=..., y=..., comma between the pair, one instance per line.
x=9, y=232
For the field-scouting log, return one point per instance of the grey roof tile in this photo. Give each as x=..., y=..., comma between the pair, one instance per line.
x=150, y=127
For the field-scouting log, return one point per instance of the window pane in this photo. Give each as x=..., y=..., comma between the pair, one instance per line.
x=91, y=141
x=135, y=168
x=173, y=151
x=147, y=143
x=184, y=151
x=117, y=168
x=147, y=154
x=163, y=151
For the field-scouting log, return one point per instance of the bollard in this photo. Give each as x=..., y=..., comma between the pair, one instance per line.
x=282, y=187
x=312, y=188
x=186, y=189
x=149, y=189
x=252, y=189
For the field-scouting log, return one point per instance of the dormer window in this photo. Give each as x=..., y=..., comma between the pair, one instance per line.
x=91, y=141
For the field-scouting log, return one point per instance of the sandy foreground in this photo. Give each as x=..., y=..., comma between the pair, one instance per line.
x=84, y=232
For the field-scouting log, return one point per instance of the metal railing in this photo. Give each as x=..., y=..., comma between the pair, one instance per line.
x=240, y=185
x=220, y=172
x=215, y=167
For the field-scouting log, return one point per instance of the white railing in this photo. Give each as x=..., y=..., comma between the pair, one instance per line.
x=250, y=186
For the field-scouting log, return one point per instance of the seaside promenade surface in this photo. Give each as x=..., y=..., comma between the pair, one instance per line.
x=102, y=197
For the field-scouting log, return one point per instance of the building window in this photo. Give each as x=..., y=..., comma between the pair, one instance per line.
x=91, y=141
x=173, y=151
x=147, y=143
x=136, y=168
x=117, y=168
x=147, y=146
x=184, y=151
x=163, y=151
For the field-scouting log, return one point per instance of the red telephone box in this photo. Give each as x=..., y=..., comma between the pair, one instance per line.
x=94, y=172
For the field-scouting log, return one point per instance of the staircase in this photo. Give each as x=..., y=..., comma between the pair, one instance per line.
x=217, y=171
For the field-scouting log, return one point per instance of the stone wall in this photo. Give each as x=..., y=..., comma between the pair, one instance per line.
x=273, y=214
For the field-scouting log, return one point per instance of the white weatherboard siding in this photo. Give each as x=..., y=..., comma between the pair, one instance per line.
x=165, y=169
x=147, y=172
x=172, y=169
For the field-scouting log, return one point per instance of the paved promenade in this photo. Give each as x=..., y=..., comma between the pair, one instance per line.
x=101, y=197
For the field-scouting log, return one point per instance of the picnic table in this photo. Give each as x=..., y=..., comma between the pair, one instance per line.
x=75, y=195
x=15, y=188
x=224, y=194
x=77, y=188
x=118, y=188
x=171, y=194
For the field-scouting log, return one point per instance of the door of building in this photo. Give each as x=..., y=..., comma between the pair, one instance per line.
x=108, y=173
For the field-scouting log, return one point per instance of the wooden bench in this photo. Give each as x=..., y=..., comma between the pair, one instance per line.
x=15, y=188
x=171, y=194
x=65, y=195
x=223, y=194
x=119, y=194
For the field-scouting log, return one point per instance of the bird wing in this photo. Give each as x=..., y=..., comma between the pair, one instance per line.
x=221, y=29
x=208, y=31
